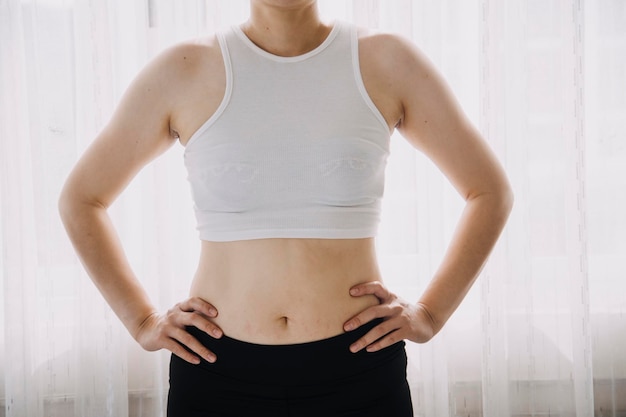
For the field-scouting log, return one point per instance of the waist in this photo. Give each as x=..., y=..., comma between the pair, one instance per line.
x=285, y=291
x=322, y=361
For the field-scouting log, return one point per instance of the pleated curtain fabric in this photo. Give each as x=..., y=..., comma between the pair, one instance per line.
x=542, y=332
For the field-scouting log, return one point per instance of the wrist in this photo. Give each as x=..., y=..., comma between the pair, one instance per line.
x=141, y=322
x=428, y=319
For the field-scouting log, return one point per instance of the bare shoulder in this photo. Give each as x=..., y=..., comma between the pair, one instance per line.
x=169, y=73
x=140, y=128
x=385, y=43
x=186, y=61
x=431, y=118
x=191, y=77
x=395, y=57
x=389, y=64
x=380, y=56
x=194, y=54
x=414, y=81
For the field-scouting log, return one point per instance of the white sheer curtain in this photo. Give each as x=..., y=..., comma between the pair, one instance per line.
x=543, y=331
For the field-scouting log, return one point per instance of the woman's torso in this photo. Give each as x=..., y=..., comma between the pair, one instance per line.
x=284, y=291
x=278, y=291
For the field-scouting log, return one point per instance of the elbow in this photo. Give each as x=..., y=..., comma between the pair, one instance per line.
x=508, y=199
x=503, y=201
x=72, y=206
x=498, y=200
x=66, y=207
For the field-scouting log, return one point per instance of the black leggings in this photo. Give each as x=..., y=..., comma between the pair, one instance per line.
x=316, y=379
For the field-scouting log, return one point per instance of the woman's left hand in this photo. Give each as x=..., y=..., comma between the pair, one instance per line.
x=402, y=320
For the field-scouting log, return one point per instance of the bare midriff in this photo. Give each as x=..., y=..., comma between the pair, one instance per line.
x=285, y=291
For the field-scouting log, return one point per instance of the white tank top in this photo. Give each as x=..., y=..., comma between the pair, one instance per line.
x=296, y=149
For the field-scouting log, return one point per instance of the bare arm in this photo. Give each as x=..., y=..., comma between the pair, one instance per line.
x=138, y=132
x=432, y=121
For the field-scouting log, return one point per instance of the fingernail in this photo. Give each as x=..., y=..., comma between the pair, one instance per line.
x=212, y=312
x=349, y=326
x=354, y=291
x=211, y=358
x=217, y=333
x=354, y=348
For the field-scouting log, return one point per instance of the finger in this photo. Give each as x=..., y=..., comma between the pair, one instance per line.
x=372, y=336
x=367, y=315
x=386, y=341
x=181, y=352
x=183, y=319
x=375, y=288
x=207, y=326
x=185, y=339
x=200, y=305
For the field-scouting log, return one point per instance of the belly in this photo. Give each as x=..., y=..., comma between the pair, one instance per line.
x=285, y=291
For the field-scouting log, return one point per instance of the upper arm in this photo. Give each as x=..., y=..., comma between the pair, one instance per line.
x=138, y=131
x=433, y=122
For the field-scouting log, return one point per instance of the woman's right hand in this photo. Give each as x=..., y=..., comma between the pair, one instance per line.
x=167, y=331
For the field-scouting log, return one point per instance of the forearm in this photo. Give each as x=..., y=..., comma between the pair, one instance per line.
x=99, y=249
x=478, y=230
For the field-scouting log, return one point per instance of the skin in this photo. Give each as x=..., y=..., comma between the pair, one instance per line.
x=281, y=291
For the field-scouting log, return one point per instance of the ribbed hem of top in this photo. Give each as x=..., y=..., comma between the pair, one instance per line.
x=231, y=236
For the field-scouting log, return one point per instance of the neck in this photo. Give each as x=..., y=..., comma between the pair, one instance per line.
x=285, y=30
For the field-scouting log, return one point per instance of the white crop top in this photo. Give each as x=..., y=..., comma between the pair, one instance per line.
x=296, y=149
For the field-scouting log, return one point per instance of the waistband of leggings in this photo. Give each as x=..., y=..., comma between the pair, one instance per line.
x=317, y=361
